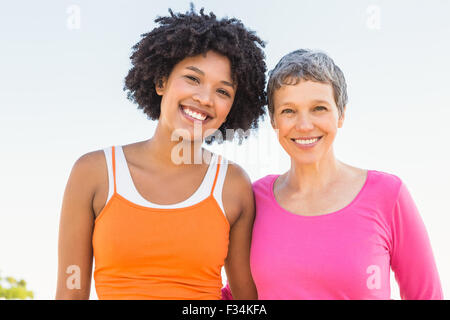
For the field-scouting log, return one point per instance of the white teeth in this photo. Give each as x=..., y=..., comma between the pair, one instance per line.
x=194, y=114
x=304, y=142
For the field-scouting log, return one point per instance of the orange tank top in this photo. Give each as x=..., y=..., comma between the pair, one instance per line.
x=153, y=253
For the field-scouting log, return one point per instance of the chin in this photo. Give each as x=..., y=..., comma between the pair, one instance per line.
x=303, y=158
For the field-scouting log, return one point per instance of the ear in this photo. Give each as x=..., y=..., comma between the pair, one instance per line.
x=342, y=118
x=160, y=86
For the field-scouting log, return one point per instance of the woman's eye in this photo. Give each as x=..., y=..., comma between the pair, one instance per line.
x=320, y=108
x=223, y=92
x=192, y=78
x=287, y=111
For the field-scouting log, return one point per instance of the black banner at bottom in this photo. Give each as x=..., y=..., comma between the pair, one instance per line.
x=258, y=309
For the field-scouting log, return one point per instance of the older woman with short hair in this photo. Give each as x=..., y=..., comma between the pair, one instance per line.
x=325, y=229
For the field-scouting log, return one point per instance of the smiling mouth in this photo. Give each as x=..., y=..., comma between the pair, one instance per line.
x=309, y=141
x=194, y=114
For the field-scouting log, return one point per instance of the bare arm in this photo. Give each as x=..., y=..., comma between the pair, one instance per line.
x=75, y=230
x=237, y=264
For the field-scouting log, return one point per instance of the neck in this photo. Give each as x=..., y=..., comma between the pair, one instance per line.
x=176, y=154
x=312, y=177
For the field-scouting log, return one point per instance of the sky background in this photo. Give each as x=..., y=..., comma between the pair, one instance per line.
x=62, y=65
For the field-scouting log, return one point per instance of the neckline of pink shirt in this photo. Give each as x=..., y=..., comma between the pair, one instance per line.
x=320, y=216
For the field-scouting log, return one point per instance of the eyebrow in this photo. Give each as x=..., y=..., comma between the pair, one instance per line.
x=197, y=70
x=318, y=101
x=315, y=101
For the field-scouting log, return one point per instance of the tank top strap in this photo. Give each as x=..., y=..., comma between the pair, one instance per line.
x=114, y=167
x=109, y=156
x=219, y=160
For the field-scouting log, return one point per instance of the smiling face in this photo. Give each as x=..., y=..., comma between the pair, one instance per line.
x=307, y=120
x=199, y=91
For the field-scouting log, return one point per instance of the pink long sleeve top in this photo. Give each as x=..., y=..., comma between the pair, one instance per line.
x=346, y=254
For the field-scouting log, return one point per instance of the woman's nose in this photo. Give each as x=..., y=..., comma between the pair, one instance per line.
x=304, y=123
x=203, y=96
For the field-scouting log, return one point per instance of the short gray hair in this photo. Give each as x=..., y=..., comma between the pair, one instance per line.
x=310, y=65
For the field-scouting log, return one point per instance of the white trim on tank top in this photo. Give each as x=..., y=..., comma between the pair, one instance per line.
x=127, y=189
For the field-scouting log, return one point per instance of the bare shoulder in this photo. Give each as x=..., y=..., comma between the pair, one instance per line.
x=237, y=192
x=93, y=158
x=238, y=179
x=89, y=177
x=90, y=166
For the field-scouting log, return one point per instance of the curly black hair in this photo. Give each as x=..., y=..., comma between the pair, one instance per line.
x=184, y=35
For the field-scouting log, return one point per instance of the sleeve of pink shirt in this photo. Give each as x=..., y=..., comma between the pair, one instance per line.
x=411, y=255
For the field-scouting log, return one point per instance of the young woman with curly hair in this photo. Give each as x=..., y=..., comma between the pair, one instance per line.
x=159, y=228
